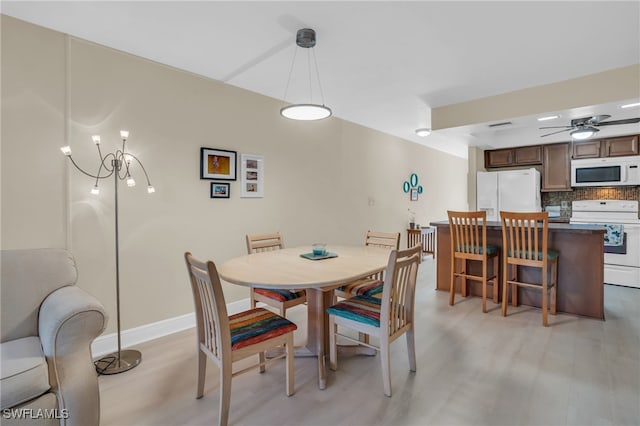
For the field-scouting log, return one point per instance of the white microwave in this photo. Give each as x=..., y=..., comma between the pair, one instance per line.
x=610, y=171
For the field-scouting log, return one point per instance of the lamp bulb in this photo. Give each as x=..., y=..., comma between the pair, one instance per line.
x=124, y=134
x=151, y=189
x=96, y=139
x=66, y=150
x=95, y=190
x=131, y=181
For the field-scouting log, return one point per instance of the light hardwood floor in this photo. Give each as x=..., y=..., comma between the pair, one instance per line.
x=473, y=369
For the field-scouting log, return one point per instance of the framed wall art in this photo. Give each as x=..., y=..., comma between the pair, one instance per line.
x=217, y=164
x=252, y=176
x=220, y=189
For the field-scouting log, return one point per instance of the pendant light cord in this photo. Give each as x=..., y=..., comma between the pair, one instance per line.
x=286, y=90
x=318, y=76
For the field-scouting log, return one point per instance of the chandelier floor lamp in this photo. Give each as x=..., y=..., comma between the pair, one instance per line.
x=116, y=164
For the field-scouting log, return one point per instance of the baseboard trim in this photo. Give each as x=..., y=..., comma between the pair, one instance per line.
x=108, y=343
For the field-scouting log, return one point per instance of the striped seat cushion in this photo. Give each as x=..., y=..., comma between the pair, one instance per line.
x=279, y=294
x=551, y=254
x=477, y=249
x=364, y=309
x=257, y=325
x=364, y=287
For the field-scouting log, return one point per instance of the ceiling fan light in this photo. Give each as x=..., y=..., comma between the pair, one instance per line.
x=584, y=133
x=305, y=112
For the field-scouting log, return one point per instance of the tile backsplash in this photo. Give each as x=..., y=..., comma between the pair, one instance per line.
x=611, y=193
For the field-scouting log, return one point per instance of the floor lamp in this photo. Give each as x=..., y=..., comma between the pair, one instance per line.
x=118, y=165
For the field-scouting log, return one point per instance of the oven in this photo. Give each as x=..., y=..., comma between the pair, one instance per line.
x=622, y=240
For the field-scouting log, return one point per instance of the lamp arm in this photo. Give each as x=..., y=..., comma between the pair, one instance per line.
x=87, y=173
x=141, y=166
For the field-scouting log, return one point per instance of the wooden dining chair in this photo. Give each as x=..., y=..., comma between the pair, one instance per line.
x=525, y=242
x=226, y=340
x=469, y=243
x=281, y=299
x=386, y=318
x=371, y=285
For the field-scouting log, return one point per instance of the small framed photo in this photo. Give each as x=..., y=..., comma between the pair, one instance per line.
x=217, y=164
x=220, y=189
x=414, y=194
x=252, y=176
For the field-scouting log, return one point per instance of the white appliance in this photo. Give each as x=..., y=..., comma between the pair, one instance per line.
x=621, y=263
x=611, y=171
x=512, y=191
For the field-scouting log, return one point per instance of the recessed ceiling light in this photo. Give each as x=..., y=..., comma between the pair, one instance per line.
x=424, y=132
x=635, y=104
x=548, y=117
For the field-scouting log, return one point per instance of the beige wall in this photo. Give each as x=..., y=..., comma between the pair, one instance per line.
x=604, y=87
x=320, y=176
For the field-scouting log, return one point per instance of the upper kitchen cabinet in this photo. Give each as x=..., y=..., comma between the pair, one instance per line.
x=556, y=167
x=618, y=147
x=612, y=147
x=522, y=156
x=587, y=149
x=498, y=158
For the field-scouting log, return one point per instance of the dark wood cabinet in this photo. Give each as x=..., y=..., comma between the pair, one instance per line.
x=556, y=167
x=611, y=147
x=523, y=156
x=588, y=149
x=617, y=147
x=528, y=155
x=498, y=158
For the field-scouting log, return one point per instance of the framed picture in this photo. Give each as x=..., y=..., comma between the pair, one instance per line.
x=414, y=194
x=217, y=164
x=220, y=189
x=252, y=176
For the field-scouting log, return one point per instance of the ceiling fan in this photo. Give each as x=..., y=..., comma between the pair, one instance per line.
x=583, y=128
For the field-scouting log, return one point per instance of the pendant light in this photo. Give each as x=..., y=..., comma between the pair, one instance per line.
x=306, y=39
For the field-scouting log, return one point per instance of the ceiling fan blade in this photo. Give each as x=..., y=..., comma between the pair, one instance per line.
x=553, y=133
x=598, y=118
x=614, y=122
x=556, y=127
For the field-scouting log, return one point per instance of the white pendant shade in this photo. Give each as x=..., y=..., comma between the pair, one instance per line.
x=306, y=112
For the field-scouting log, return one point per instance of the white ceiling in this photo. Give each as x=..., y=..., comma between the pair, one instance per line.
x=383, y=65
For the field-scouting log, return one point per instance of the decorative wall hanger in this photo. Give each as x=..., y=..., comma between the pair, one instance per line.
x=412, y=188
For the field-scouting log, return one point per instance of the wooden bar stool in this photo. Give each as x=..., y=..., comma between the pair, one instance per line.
x=469, y=242
x=525, y=243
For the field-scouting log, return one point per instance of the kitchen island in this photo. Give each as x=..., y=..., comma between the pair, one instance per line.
x=580, y=267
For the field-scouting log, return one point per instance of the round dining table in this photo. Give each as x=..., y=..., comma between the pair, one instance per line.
x=287, y=269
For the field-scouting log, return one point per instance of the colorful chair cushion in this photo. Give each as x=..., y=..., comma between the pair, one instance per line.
x=475, y=249
x=364, y=287
x=257, y=325
x=551, y=254
x=280, y=294
x=364, y=309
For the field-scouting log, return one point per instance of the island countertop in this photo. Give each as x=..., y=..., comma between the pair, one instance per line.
x=553, y=226
x=580, y=267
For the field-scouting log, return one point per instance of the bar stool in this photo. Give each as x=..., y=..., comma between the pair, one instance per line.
x=525, y=243
x=469, y=242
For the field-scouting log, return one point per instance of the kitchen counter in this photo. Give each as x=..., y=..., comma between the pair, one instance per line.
x=580, y=267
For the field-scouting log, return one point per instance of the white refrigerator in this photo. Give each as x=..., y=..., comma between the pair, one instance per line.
x=512, y=191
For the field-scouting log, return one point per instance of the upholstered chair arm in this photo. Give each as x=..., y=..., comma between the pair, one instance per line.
x=69, y=320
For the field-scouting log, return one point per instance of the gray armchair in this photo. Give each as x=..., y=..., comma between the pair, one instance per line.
x=47, y=326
